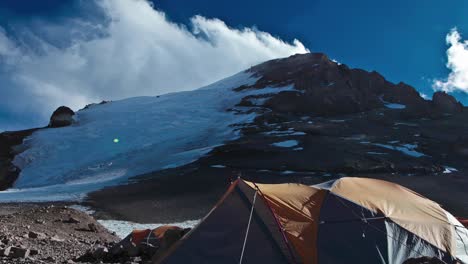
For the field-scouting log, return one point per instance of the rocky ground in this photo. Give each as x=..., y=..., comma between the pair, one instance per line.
x=34, y=233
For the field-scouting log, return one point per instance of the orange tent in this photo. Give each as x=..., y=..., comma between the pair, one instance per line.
x=349, y=220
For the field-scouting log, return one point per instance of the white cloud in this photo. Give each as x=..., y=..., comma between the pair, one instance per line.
x=457, y=62
x=424, y=96
x=138, y=52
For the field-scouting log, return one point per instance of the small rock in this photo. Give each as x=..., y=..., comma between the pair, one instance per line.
x=71, y=220
x=37, y=235
x=93, y=228
x=5, y=251
x=17, y=252
x=56, y=239
x=34, y=252
x=38, y=221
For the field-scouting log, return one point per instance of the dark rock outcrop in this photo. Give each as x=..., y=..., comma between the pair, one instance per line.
x=327, y=88
x=61, y=117
x=11, y=140
x=8, y=171
x=443, y=102
x=94, y=104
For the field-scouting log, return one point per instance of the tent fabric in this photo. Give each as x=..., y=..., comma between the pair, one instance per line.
x=141, y=235
x=356, y=220
x=270, y=219
x=461, y=235
x=219, y=237
x=297, y=208
x=403, y=245
x=410, y=210
x=343, y=236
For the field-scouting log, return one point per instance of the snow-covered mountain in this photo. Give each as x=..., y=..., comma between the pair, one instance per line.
x=111, y=142
x=304, y=118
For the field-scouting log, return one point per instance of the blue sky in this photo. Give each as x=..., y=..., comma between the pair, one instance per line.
x=403, y=40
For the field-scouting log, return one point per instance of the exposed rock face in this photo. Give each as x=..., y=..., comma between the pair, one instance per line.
x=329, y=88
x=446, y=103
x=61, y=117
x=8, y=171
x=94, y=104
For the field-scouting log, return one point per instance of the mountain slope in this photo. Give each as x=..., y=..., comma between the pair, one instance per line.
x=114, y=141
x=304, y=118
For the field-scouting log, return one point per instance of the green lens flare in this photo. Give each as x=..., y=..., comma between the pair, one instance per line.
x=116, y=140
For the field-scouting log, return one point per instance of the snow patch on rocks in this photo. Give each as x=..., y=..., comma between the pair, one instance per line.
x=286, y=144
x=407, y=149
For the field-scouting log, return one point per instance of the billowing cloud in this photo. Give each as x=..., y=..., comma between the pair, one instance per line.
x=457, y=62
x=135, y=50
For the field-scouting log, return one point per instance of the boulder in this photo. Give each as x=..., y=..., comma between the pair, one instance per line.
x=34, y=252
x=61, y=117
x=37, y=235
x=443, y=102
x=18, y=252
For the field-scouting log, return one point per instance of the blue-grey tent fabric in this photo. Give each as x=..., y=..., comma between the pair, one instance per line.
x=220, y=237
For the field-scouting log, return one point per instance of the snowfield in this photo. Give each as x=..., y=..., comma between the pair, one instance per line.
x=117, y=140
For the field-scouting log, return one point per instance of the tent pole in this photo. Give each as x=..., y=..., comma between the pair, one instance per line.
x=248, y=227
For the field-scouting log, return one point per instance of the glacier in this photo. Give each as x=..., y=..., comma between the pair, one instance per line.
x=112, y=142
